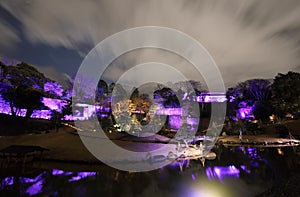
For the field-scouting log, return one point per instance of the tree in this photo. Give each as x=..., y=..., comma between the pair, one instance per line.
x=168, y=96
x=53, y=90
x=190, y=87
x=262, y=110
x=118, y=93
x=28, y=98
x=253, y=92
x=101, y=91
x=111, y=87
x=57, y=116
x=83, y=89
x=22, y=88
x=135, y=93
x=286, y=93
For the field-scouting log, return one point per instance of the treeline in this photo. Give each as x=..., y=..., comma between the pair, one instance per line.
x=278, y=96
x=23, y=87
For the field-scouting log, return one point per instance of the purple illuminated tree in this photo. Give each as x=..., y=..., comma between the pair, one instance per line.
x=254, y=92
x=58, y=116
x=53, y=89
x=83, y=89
x=62, y=99
x=22, y=88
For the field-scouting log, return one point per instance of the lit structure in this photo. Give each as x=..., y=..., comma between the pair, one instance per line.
x=85, y=111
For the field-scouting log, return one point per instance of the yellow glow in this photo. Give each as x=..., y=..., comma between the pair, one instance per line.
x=280, y=152
x=210, y=189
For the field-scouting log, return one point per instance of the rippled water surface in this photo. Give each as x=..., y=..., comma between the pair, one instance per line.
x=237, y=171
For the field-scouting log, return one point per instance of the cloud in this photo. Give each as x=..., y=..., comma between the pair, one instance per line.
x=53, y=74
x=247, y=39
x=8, y=37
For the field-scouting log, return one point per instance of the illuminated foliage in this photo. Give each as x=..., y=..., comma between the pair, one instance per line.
x=22, y=88
x=252, y=93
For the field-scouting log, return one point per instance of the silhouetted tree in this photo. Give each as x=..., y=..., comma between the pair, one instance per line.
x=286, y=93
x=252, y=90
x=57, y=116
x=102, y=90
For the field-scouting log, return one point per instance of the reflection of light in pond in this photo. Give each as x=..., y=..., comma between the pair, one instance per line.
x=31, y=180
x=35, y=188
x=79, y=175
x=82, y=175
x=60, y=172
x=8, y=181
x=251, y=151
x=193, y=177
x=35, y=185
x=245, y=168
x=57, y=172
x=222, y=172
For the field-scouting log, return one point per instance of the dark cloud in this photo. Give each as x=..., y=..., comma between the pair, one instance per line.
x=247, y=39
x=8, y=37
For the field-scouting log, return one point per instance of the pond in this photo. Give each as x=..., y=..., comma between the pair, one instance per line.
x=237, y=171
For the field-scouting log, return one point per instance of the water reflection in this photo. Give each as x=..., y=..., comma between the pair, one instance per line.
x=221, y=172
x=237, y=171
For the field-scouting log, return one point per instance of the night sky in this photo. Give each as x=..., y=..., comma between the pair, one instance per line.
x=247, y=38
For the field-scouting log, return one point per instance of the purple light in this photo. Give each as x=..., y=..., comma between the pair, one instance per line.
x=82, y=175
x=103, y=115
x=175, y=122
x=243, y=167
x=211, y=98
x=245, y=112
x=57, y=172
x=185, y=96
x=193, y=177
x=169, y=111
x=35, y=188
x=35, y=185
x=53, y=88
x=217, y=171
x=54, y=104
x=207, y=99
x=222, y=172
x=32, y=180
x=104, y=109
x=8, y=181
x=242, y=115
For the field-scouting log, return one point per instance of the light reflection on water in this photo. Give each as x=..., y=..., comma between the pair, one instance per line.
x=237, y=171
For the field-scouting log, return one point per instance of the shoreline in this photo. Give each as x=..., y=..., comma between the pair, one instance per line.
x=65, y=146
